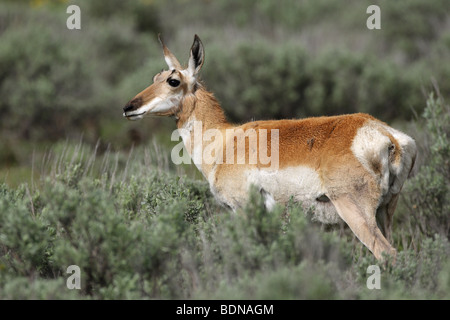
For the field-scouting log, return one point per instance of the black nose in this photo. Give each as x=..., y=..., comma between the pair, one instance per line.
x=133, y=105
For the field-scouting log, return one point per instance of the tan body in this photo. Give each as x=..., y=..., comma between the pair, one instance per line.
x=349, y=167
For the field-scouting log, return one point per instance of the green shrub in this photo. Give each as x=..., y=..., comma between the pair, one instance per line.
x=137, y=230
x=429, y=191
x=303, y=281
x=159, y=236
x=62, y=83
x=37, y=89
x=413, y=25
x=25, y=243
x=62, y=80
x=344, y=82
x=143, y=15
x=39, y=289
x=264, y=81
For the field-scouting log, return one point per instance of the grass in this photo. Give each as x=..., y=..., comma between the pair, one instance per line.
x=138, y=229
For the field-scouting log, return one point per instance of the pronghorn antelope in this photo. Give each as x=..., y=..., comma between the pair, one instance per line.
x=350, y=167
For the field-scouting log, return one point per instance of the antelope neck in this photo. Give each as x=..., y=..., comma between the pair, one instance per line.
x=202, y=106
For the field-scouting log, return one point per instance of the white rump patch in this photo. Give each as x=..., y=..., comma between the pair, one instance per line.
x=371, y=148
x=408, y=155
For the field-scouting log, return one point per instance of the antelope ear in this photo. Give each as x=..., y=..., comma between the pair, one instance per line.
x=171, y=60
x=197, y=57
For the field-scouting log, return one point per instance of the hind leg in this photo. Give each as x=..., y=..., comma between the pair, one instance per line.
x=356, y=195
x=381, y=218
x=390, y=215
x=384, y=216
x=363, y=224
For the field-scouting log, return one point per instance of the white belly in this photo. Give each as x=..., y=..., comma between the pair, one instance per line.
x=302, y=183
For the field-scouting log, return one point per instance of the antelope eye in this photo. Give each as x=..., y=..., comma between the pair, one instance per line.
x=173, y=82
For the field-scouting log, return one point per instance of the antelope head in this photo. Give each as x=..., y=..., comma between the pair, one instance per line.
x=164, y=96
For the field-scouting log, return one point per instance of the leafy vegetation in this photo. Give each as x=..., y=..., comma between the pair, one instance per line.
x=156, y=235
x=140, y=227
